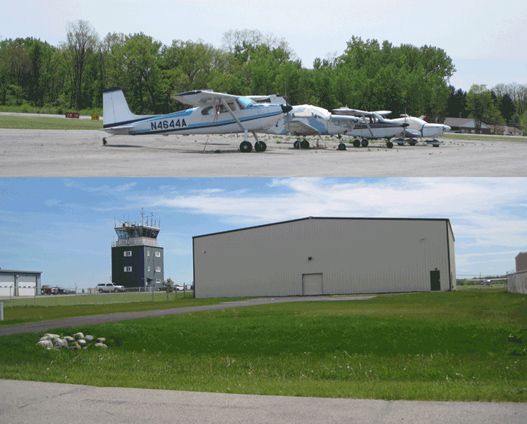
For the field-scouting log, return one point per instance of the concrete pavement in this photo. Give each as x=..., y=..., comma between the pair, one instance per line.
x=50, y=153
x=23, y=402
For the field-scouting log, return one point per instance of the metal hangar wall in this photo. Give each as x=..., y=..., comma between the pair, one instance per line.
x=324, y=256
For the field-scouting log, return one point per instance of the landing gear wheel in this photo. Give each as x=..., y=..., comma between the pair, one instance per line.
x=365, y=143
x=104, y=141
x=304, y=144
x=412, y=143
x=356, y=143
x=260, y=146
x=246, y=147
x=400, y=143
x=296, y=145
x=342, y=146
x=389, y=145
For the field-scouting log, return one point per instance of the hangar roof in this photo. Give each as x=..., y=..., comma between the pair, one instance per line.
x=330, y=218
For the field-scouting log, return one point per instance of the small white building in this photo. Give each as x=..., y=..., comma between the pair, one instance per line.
x=19, y=283
x=314, y=256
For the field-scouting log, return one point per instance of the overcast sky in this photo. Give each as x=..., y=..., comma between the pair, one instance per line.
x=485, y=39
x=65, y=227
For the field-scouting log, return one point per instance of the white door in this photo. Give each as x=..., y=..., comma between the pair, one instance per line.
x=312, y=284
x=27, y=285
x=7, y=282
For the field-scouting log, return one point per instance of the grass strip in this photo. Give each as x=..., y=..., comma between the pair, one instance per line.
x=461, y=346
x=47, y=123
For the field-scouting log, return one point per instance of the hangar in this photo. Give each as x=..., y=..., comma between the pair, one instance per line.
x=325, y=256
x=19, y=283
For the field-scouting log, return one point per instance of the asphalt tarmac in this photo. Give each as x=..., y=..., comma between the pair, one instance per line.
x=74, y=153
x=23, y=402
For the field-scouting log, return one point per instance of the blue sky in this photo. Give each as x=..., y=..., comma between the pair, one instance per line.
x=65, y=227
x=485, y=39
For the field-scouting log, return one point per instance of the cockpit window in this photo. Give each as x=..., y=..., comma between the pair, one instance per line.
x=245, y=102
x=206, y=111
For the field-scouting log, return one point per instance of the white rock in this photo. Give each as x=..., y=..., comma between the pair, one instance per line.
x=52, y=336
x=101, y=345
x=45, y=343
x=101, y=340
x=78, y=335
x=69, y=339
x=43, y=338
x=88, y=338
x=57, y=342
x=82, y=342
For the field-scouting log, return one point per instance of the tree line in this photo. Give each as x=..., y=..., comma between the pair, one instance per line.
x=368, y=75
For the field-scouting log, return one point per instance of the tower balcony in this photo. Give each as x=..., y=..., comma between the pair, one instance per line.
x=137, y=241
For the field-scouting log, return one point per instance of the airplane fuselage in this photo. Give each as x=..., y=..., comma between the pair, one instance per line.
x=203, y=120
x=306, y=120
x=425, y=129
x=374, y=130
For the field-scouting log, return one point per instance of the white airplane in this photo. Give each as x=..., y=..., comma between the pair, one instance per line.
x=214, y=113
x=419, y=128
x=372, y=126
x=306, y=120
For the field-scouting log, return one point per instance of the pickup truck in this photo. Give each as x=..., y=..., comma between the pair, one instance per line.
x=109, y=288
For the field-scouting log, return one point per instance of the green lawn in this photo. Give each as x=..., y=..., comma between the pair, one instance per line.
x=47, y=123
x=467, y=346
x=19, y=311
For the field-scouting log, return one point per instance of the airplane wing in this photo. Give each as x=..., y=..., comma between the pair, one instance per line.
x=351, y=112
x=203, y=97
x=383, y=112
x=273, y=98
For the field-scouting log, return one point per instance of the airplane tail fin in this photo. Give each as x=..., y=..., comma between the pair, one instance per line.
x=115, y=108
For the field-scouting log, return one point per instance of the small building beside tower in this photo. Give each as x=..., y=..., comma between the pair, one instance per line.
x=137, y=257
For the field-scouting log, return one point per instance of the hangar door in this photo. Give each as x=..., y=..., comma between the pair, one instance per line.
x=27, y=285
x=312, y=284
x=7, y=283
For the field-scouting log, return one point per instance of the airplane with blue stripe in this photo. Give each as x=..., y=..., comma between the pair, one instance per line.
x=212, y=113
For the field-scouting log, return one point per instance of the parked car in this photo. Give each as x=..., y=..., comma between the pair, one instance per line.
x=109, y=288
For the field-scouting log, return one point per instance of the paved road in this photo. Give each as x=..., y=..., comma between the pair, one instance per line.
x=49, y=153
x=23, y=402
x=36, y=327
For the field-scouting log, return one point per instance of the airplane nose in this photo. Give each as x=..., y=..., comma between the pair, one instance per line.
x=286, y=108
x=446, y=128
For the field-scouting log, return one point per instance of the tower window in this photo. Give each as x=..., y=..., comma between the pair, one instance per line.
x=127, y=269
x=128, y=253
x=158, y=269
x=158, y=254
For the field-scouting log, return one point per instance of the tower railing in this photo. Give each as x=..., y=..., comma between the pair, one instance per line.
x=137, y=241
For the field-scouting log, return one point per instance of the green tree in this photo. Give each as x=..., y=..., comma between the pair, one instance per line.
x=482, y=107
x=81, y=42
x=507, y=108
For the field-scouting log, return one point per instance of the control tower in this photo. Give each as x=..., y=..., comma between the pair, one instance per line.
x=137, y=257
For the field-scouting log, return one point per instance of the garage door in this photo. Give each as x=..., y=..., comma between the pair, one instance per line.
x=26, y=285
x=312, y=284
x=6, y=285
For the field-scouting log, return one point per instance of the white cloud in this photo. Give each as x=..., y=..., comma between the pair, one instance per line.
x=104, y=189
x=484, y=212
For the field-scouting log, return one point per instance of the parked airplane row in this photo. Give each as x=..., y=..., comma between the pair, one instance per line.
x=220, y=113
